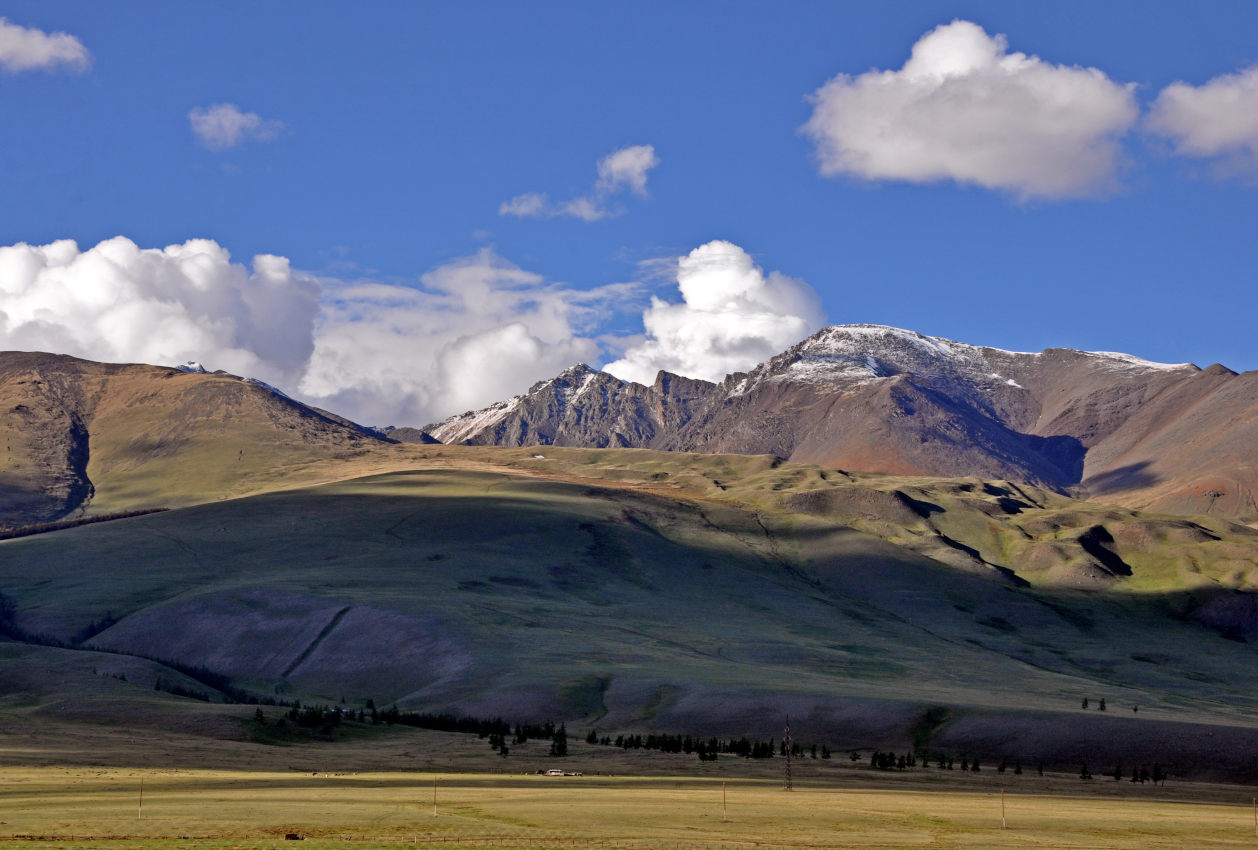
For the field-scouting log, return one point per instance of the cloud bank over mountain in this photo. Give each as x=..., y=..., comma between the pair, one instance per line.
x=471, y=331
x=731, y=317
x=964, y=108
x=477, y=329
x=122, y=303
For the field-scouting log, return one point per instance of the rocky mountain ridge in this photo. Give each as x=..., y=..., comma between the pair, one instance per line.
x=1107, y=425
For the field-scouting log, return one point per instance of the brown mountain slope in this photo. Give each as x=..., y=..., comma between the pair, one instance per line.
x=80, y=436
x=1192, y=449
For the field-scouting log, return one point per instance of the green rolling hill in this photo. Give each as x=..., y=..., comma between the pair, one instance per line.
x=630, y=589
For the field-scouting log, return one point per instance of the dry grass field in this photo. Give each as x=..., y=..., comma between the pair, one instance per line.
x=82, y=807
x=68, y=784
x=74, y=786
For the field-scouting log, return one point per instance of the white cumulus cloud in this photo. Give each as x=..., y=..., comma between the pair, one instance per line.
x=223, y=125
x=117, y=302
x=478, y=330
x=1216, y=120
x=622, y=169
x=28, y=49
x=731, y=317
x=963, y=108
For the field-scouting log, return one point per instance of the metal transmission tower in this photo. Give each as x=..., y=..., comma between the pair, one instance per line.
x=786, y=745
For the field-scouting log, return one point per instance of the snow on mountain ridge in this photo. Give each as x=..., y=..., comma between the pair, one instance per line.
x=265, y=386
x=864, y=352
x=570, y=396
x=1131, y=361
x=464, y=426
x=195, y=367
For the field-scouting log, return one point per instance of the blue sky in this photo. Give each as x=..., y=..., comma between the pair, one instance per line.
x=386, y=138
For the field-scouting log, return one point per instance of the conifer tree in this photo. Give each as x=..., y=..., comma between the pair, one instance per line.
x=559, y=743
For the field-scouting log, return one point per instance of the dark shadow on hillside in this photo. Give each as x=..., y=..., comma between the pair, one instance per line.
x=1099, y=543
x=1135, y=476
x=920, y=507
x=1065, y=454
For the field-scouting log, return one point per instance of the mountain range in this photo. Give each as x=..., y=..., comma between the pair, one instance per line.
x=721, y=561
x=1099, y=425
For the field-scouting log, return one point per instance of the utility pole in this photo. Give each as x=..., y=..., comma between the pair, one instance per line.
x=786, y=745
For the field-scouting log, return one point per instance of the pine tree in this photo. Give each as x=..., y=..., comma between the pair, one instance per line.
x=559, y=742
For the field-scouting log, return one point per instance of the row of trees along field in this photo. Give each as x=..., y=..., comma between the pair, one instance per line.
x=707, y=749
x=502, y=735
